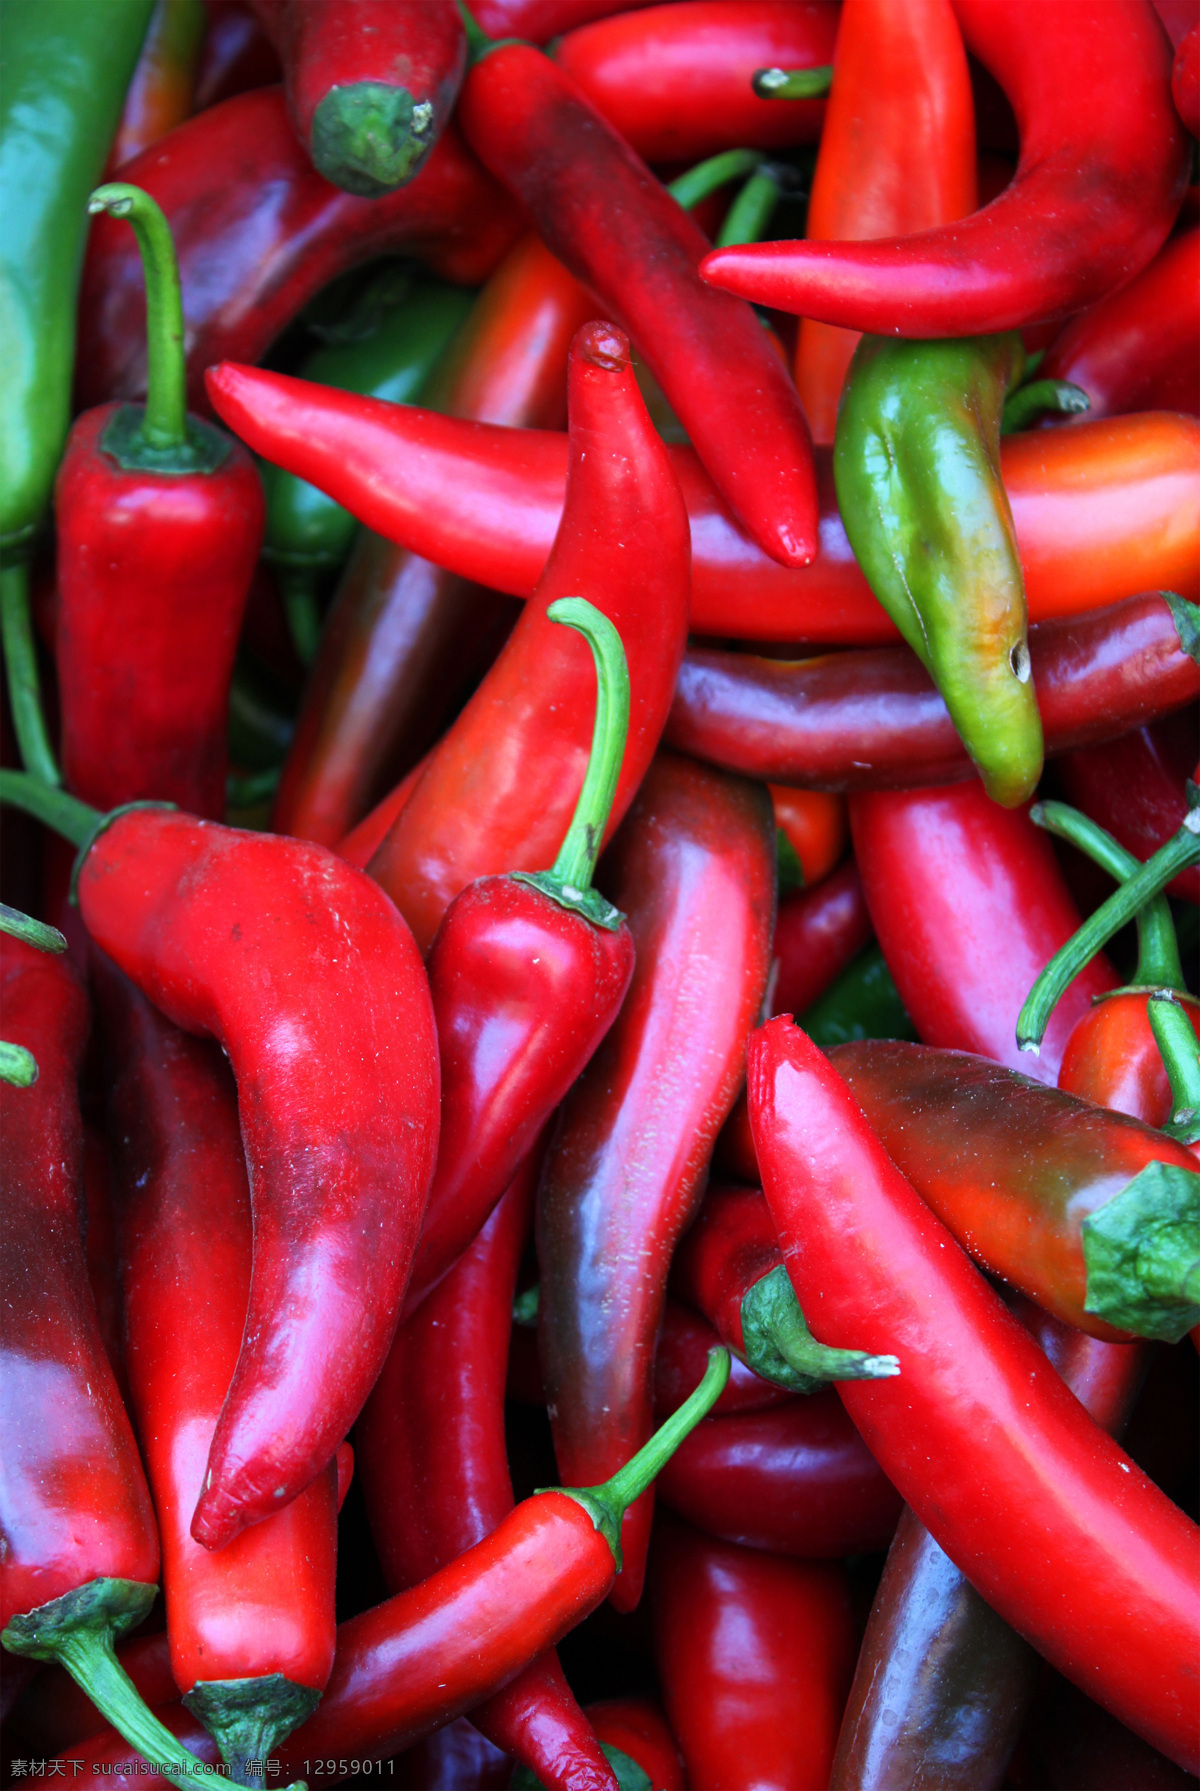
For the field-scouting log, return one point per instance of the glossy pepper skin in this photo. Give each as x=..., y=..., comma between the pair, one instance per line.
x=500, y=787
x=1135, y=787
x=638, y=1727
x=259, y=233
x=897, y=155
x=1102, y=512
x=1012, y=1167
x=754, y=1653
x=675, y=80
x=370, y=84
x=942, y=1683
x=872, y=719
x=540, y=20
x=431, y=1453
x=601, y=211
x=1089, y=206
x=694, y=871
x=969, y=905
x=163, y=87
x=818, y=933
x=1057, y=1529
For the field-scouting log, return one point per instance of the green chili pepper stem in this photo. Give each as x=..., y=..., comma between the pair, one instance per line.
x=780, y=1347
x=748, y=216
x=18, y=1067
x=569, y=879
x=49, y=804
x=164, y=421
x=33, y=932
x=792, y=83
x=24, y=683
x=606, y=1505
x=1158, y=965
x=248, y=1718
x=1041, y=395
x=1176, y=1040
x=1180, y=852
x=710, y=176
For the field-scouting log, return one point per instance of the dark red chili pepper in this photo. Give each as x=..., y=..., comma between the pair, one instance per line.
x=540, y=20
x=871, y=719
x=1102, y=511
x=1185, y=80
x=236, y=55
x=754, y=1654
x=1135, y=788
x=258, y=233
x=456, y=1754
x=500, y=787
x=601, y=211
x=160, y=93
x=638, y=1727
x=969, y=905
x=100, y=1247
x=676, y=80
x=160, y=521
x=1051, y=1522
x=1094, y=196
x=369, y=83
x=304, y=972
x=694, y=870
x=818, y=933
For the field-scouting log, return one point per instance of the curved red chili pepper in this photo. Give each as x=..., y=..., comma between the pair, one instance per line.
x=871, y=719
x=675, y=80
x=369, y=85
x=969, y=905
x=754, y=1654
x=1101, y=511
x=609, y=221
x=638, y=1727
x=258, y=233
x=499, y=789
x=1056, y=1527
x=1135, y=787
x=694, y=870
x=1094, y=196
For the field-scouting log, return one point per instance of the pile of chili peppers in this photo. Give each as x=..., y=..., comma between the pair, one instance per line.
x=600, y=1073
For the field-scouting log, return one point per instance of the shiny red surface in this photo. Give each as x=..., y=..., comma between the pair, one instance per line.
x=1112, y=1058
x=731, y=1245
x=638, y=1727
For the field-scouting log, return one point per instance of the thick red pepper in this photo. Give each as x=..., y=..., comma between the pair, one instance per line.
x=754, y=1654
x=304, y=972
x=1135, y=787
x=675, y=80
x=1052, y=1523
x=609, y=221
x=258, y=233
x=872, y=719
x=160, y=521
x=431, y=1452
x=370, y=84
x=1103, y=168
x=500, y=787
x=694, y=870
x=1102, y=511
x=969, y=905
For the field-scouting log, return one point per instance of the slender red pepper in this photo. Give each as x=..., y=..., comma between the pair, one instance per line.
x=303, y=971
x=1094, y=196
x=500, y=787
x=694, y=869
x=608, y=220
x=160, y=94
x=638, y=1727
x=258, y=233
x=1135, y=787
x=968, y=905
x=818, y=933
x=675, y=80
x=754, y=1654
x=871, y=719
x=160, y=521
x=370, y=84
x=1102, y=511
x=1052, y=1523
x=431, y=1451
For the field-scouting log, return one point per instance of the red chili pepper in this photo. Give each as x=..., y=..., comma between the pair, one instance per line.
x=638, y=1727
x=1134, y=787
x=370, y=85
x=160, y=94
x=969, y=904
x=818, y=932
x=1185, y=81
x=816, y=829
x=871, y=718
x=258, y=233
x=1094, y=196
x=304, y=972
x=601, y=211
x=1052, y=1523
x=236, y=55
x=897, y=155
x=160, y=521
x=675, y=80
x=100, y=1249
x=540, y=20
x=755, y=1654
x=694, y=869
x=500, y=787
x=1102, y=511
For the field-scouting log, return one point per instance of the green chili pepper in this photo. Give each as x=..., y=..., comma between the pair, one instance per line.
x=917, y=467
x=864, y=1003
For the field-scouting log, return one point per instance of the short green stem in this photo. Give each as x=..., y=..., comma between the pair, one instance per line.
x=18, y=1067
x=24, y=682
x=710, y=176
x=780, y=1347
x=1175, y=1037
x=33, y=932
x=165, y=416
x=248, y=1718
x=1158, y=965
x=747, y=218
x=792, y=83
x=1038, y=397
x=49, y=804
x=1180, y=852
